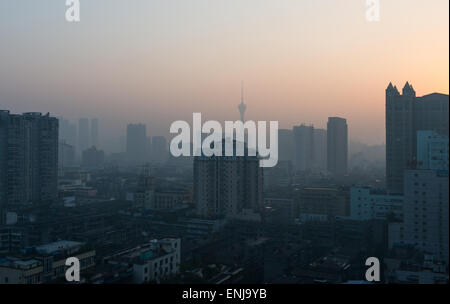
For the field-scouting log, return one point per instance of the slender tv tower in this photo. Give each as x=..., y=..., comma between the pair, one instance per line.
x=242, y=106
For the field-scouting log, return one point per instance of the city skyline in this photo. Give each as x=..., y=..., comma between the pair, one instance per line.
x=287, y=53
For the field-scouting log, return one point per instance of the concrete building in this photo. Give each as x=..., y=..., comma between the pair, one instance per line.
x=66, y=157
x=28, y=158
x=93, y=158
x=303, y=147
x=322, y=203
x=432, y=151
x=154, y=261
x=320, y=150
x=224, y=186
x=83, y=134
x=285, y=145
x=425, y=212
x=136, y=143
x=374, y=204
x=45, y=263
x=407, y=114
x=337, y=146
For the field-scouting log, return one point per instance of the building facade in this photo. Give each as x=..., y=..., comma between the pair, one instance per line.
x=224, y=186
x=337, y=146
x=374, y=204
x=28, y=158
x=407, y=114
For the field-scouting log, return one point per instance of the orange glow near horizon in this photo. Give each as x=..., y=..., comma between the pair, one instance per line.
x=156, y=62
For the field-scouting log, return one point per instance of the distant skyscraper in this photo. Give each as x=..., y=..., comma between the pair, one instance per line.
x=320, y=150
x=94, y=132
x=67, y=132
x=83, y=134
x=66, y=156
x=405, y=115
x=337, y=146
x=136, y=143
x=242, y=107
x=286, y=145
x=28, y=158
x=303, y=147
x=225, y=186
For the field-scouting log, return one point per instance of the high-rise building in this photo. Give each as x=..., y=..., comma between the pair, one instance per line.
x=303, y=147
x=425, y=212
x=66, y=156
x=337, y=146
x=28, y=158
x=320, y=150
x=285, y=145
x=159, y=150
x=136, y=143
x=94, y=133
x=226, y=186
x=83, y=134
x=405, y=115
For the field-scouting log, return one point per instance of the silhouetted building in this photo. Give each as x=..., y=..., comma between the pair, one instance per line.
x=136, y=143
x=320, y=150
x=405, y=115
x=28, y=158
x=285, y=145
x=94, y=133
x=66, y=156
x=303, y=147
x=322, y=204
x=93, y=157
x=337, y=146
x=83, y=134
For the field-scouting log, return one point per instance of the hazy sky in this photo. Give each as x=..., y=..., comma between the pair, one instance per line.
x=156, y=61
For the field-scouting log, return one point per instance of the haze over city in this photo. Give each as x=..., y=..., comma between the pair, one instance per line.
x=159, y=61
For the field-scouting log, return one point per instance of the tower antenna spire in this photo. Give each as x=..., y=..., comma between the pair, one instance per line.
x=242, y=107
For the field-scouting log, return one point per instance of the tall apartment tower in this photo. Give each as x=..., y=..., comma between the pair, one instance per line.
x=337, y=146
x=303, y=147
x=83, y=135
x=320, y=150
x=425, y=212
x=28, y=158
x=286, y=145
x=405, y=115
x=94, y=132
x=137, y=143
x=225, y=186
